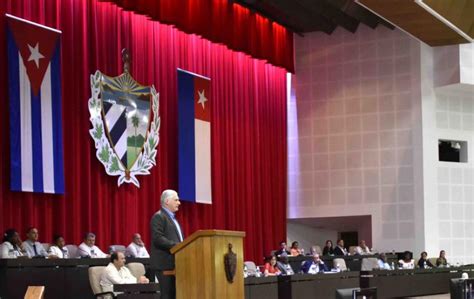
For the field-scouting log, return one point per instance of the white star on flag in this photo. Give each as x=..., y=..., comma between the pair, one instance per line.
x=202, y=98
x=35, y=54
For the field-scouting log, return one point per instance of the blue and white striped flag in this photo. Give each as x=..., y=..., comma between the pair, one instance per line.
x=36, y=146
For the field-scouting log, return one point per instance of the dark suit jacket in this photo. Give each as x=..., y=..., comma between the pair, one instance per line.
x=338, y=251
x=307, y=265
x=421, y=263
x=281, y=251
x=164, y=235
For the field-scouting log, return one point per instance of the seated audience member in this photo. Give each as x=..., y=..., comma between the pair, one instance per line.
x=32, y=247
x=339, y=249
x=424, y=262
x=11, y=246
x=363, y=249
x=328, y=249
x=117, y=273
x=271, y=268
x=314, y=266
x=57, y=247
x=313, y=250
x=407, y=262
x=295, y=250
x=88, y=248
x=383, y=265
x=441, y=261
x=137, y=247
x=283, y=249
x=284, y=266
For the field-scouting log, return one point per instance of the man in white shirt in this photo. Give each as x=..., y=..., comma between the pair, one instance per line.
x=382, y=261
x=58, y=249
x=363, y=249
x=32, y=247
x=117, y=273
x=88, y=248
x=137, y=247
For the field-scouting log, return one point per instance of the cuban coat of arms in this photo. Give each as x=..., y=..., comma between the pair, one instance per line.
x=125, y=124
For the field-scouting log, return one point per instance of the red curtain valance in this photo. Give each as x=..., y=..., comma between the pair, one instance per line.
x=222, y=21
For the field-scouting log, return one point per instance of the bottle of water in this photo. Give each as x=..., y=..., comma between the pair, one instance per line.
x=392, y=266
x=425, y=265
x=338, y=268
x=257, y=272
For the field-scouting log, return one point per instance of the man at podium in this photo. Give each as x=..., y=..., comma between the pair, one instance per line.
x=165, y=233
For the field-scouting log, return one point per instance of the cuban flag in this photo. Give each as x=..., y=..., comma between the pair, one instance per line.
x=194, y=135
x=36, y=146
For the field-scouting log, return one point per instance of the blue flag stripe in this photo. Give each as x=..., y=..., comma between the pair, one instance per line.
x=186, y=161
x=119, y=128
x=124, y=159
x=36, y=142
x=106, y=106
x=15, y=118
x=57, y=122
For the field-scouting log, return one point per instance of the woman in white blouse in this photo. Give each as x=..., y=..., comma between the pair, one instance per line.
x=407, y=262
x=57, y=248
x=11, y=246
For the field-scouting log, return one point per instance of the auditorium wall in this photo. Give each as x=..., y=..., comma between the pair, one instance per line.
x=355, y=135
x=366, y=111
x=448, y=114
x=308, y=236
x=315, y=231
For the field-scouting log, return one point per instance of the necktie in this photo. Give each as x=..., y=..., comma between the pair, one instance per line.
x=180, y=234
x=34, y=248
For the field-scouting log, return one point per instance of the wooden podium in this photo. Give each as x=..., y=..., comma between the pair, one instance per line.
x=200, y=270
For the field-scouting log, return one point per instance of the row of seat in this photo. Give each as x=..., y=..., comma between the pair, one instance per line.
x=318, y=250
x=73, y=249
x=368, y=264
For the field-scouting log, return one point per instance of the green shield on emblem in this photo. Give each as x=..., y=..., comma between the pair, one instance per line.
x=126, y=109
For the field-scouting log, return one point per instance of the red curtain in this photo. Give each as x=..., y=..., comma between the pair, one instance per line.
x=248, y=131
x=222, y=21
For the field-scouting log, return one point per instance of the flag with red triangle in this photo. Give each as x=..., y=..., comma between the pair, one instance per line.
x=36, y=145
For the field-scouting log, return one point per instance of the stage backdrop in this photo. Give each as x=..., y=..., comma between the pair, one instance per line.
x=248, y=131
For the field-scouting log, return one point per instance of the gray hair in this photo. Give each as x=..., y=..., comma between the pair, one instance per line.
x=168, y=193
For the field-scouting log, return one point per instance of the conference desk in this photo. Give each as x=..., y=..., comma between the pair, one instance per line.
x=416, y=282
x=138, y=291
x=68, y=278
x=300, y=285
x=62, y=278
x=261, y=287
